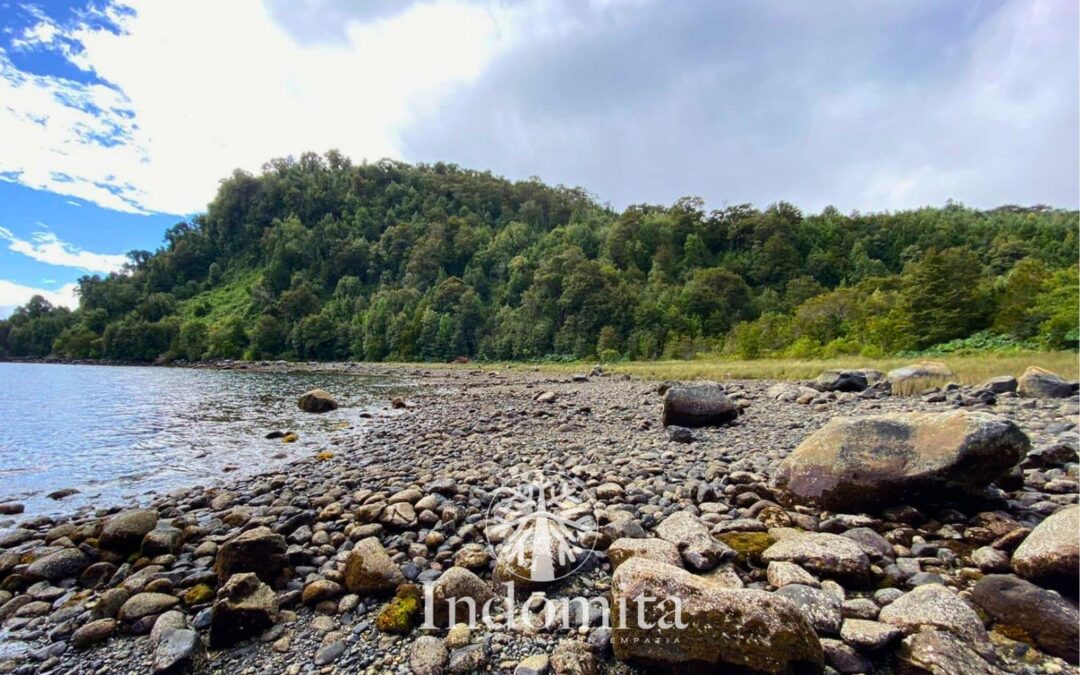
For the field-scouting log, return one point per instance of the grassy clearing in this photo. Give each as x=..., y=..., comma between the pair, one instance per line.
x=228, y=299
x=970, y=369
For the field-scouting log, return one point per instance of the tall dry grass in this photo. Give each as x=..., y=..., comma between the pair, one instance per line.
x=968, y=369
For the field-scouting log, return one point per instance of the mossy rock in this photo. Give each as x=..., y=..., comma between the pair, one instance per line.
x=748, y=545
x=324, y=455
x=290, y=438
x=197, y=595
x=401, y=614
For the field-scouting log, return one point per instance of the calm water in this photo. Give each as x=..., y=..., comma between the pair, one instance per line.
x=119, y=434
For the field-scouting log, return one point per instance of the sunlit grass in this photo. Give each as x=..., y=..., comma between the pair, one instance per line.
x=969, y=369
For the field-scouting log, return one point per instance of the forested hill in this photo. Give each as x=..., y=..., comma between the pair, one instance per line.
x=319, y=258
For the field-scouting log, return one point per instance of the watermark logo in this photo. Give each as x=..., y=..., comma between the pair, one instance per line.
x=539, y=526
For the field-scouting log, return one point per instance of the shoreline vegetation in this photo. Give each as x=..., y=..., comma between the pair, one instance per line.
x=969, y=369
x=318, y=258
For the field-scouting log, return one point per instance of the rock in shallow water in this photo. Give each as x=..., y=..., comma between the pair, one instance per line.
x=860, y=463
x=317, y=401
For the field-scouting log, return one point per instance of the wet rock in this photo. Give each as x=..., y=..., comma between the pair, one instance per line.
x=369, y=570
x=62, y=564
x=257, y=550
x=828, y=555
x=934, y=606
x=843, y=658
x=1041, y=383
x=696, y=545
x=840, y=380
x=93, y=633
x=1050, y=620
x=11, y=508
x=719, y=623
x=467, y=659
x=428, y=656
x=854, y=464
x=124, y=532
x=317, y=401
x=699, y=405
x=622, y=550
x=1051, y=553
x=329, y=652
x=176, y=651
x=936, y=652
x=245, y=607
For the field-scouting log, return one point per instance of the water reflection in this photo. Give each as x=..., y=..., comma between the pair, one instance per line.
x=112, y=432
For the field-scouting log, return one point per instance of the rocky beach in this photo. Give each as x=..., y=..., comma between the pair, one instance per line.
x=827, y=526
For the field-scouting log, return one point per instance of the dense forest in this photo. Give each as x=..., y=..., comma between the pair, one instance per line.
x=319, y=258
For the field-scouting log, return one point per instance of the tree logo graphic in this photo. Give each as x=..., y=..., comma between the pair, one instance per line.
x=538, y=523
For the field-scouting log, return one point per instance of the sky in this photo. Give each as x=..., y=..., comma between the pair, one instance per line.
x=118, y=119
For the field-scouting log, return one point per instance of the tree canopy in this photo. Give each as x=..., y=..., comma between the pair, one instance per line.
x=320, y=258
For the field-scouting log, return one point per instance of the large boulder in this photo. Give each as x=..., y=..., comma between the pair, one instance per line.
x=1038, y=382
x=841, y=380
x=369, y=570
x=923, y=370
x=124, y=532
x=698, y=405
x=317, y=401
x=1050, y=555
x=257, y=550
x=1050, y=620
x=245, y=607
x=861, y=463
x=726, y=629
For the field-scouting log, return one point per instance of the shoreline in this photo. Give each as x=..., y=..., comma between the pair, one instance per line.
x=464, y=432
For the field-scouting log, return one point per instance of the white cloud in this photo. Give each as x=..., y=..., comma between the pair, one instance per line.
x=200, y=88
x=13, y=295
x=46, y=247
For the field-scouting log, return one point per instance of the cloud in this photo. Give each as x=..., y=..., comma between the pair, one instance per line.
x=47, y=248
x=180, y=95
x=13, y=295
x=864, y=104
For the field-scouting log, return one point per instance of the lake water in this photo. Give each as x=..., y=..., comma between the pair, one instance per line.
x=118, y=434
